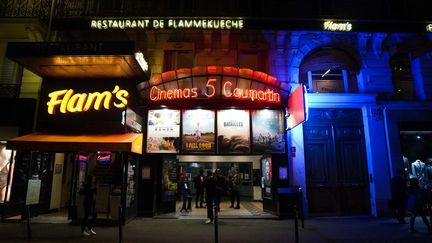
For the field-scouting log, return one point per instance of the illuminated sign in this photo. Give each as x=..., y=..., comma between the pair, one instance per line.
x=167, y=23
x=69, y=101
x=228, y=91
x=429, y=28
x=332, y=26
x=139, y=56
x=297, y=110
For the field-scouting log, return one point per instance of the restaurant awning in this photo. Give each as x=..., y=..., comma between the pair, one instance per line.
x=80, y=60
x=127, y=142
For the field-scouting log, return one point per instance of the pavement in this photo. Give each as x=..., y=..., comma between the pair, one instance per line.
x=316, y=230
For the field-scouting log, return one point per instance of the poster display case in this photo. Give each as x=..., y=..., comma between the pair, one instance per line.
x=267, y=177
x=163, y=131
x=268, y=131
x=198, y=131
x=233, y=129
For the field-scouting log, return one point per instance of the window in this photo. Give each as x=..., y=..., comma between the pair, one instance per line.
x=178, y=59
x=401, y=76
x=329, y=70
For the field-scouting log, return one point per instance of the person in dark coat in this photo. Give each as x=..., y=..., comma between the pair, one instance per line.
x=210, y=188
x=89, y=193
x=199, y=187
x=416, y=205
x=186, y=194
x=221, y=188
x=399, y=195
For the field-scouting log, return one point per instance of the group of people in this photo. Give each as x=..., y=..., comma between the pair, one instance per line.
x=414, y=199
x=212, y=187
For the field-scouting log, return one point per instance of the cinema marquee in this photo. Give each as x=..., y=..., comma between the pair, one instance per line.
x=213, y=82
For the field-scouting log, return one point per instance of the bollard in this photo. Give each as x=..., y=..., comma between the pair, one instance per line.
x=296, y=233
x=216, y=224
x=120, y=224
x=29, y=234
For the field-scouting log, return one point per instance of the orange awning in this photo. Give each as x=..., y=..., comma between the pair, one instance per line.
x=127, y=142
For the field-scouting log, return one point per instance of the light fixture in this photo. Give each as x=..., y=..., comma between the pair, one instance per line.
x=139, y=56
x=326, y=72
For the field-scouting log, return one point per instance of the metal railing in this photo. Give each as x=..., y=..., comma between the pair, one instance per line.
x=24, y=8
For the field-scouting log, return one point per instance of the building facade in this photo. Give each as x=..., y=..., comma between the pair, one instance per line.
x=366, y=72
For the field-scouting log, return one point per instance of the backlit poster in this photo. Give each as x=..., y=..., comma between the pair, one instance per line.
x=233, y=131
x=198, y=131
x=163, y=131
x=266, y=176
x=268, y=131
x=5, y=167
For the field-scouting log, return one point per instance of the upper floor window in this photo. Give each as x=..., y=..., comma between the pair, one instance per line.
x=401, y=77
x=10, y=79
x=178, y=55
x=329, y=70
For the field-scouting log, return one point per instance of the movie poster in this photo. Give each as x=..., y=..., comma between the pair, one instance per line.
x=198, y=131
x=268, y=131
x=163, y=131
x=233, y=131
x=266, y=176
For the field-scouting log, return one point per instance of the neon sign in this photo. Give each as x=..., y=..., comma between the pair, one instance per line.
x=429, y=28
x=167, y=23
x=69, y=101
x=332, y=26
x=228, y=91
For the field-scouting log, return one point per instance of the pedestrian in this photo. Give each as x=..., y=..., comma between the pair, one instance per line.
x=399, y=195
x=415, y=204
x=89, y=192
x=186, y=194
x=199, y=188
x=221, y=188
x=210, y=187
x=235, y=183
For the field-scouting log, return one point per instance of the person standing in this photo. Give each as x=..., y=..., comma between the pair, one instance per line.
x=416, y=205
x=186, y=194
x=199, y=188
x=210, y=188
x=221, y=188
x=399, y=195
x=235, y=187
x=89, y=206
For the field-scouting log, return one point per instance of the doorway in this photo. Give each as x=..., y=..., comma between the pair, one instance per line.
x=336, y=166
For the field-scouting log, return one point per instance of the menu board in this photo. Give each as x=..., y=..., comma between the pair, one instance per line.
x=163, y=131
x=198, y=131
x=233, y=131
x=268, y=131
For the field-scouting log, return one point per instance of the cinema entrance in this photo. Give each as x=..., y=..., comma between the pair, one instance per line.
x=213, y=118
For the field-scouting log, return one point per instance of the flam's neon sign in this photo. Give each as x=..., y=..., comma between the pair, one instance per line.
x=227, y=91
x=69, y=101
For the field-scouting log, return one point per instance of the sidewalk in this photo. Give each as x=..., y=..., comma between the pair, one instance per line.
x=338, y=230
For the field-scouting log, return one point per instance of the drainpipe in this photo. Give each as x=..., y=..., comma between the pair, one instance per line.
x=388, y=150
x=50, y=19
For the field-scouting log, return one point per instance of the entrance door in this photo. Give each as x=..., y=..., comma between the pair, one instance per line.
x=336, y=171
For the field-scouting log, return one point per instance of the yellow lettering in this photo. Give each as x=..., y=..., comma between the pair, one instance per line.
x=122, y=96
x=70, y=102
x=54, y=100
x=65, y=100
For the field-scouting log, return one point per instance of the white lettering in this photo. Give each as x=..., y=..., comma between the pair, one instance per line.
x=332, y=26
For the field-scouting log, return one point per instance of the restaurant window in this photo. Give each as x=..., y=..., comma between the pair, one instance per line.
x=401, y=77
x=329, y=70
